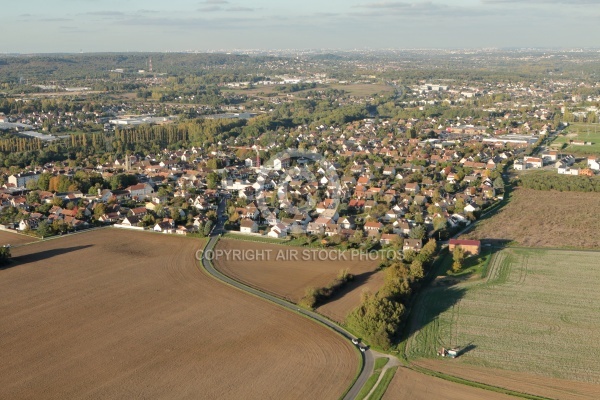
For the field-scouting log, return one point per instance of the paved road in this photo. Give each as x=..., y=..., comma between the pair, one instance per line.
x=367, y=356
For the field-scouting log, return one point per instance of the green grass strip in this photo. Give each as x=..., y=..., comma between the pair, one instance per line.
x=368, y=386
x=383, y=385
x=380, y=363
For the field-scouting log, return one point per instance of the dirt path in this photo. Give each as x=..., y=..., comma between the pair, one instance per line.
x=392, y=362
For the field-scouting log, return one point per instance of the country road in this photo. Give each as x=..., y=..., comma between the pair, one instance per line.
x=367, y=356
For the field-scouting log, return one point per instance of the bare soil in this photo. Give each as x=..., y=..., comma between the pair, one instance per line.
x=115, y=314
x=410, y=385
x=553, y=388
x=338, y=307
x=289, y=278
x=14, y=238
x=535, y=218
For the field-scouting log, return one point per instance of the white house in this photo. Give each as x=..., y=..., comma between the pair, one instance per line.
x=533, y=162
x=141, y=190
x=164, y=227
x=281, y=163
x=278, y=231
x=593, y=163
x=248, y=226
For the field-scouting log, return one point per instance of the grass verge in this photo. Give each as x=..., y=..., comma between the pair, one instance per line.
x=383, y=385
x=366, y=389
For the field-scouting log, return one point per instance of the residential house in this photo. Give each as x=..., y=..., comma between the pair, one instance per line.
x=140, y=191
x=412, y=244
x=373, y=226
x=472, y=247
x=248, y=226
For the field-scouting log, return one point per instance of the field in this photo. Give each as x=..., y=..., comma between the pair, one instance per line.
x=289, y=279
x=115, y=314
x=545, y=219
x=15, y=239
x=536, y=311
x=583, y=132
x=411, y=385
x=362, y=90
x=358, y=90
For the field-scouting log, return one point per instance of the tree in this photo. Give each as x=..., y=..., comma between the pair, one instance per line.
x=418, y=232
x=99, y=210
x=148, y=220
x=208, y=227
x=416, y=269
x=498, y=183
x=450, y=187
x=4, y=254
x=33, y=197
x=458, y=256
x=440, y=223
x=212, y=180
x=44, y=229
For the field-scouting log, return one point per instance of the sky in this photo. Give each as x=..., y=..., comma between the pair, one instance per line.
x=48, y=26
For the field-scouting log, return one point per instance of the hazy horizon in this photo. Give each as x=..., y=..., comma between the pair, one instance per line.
x=70, y=26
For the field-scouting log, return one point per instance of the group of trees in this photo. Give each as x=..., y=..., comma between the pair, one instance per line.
x=313, y=297
x=82, y=181
x=379, y=316
x=564, y=183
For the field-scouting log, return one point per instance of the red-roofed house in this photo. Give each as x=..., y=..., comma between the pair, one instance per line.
x=472, y=247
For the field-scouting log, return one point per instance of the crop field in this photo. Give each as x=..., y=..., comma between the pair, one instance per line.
x=115, y=314
x=410, y=385
x=14, y=239
x=364, y=89
x=288, y=278
x=535, y=218
x=537, y=311
x=581, y=132
x=358, y=90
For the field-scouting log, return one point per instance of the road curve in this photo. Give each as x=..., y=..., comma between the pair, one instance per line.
x=367, y=357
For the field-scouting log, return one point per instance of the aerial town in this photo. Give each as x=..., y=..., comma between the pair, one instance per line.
x=472, y=192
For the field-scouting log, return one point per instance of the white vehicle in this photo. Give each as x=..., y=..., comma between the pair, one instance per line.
x=363, y=349
x=355, y=341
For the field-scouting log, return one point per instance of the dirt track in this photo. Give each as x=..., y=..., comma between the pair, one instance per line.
x=289, y=279
x=411, y=385
x=115, y=314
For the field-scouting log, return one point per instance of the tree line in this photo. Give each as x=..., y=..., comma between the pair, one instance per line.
x=563, y=183
x=380, y=315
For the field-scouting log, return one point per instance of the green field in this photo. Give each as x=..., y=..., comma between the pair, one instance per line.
x=534, y=311
x=583, y=132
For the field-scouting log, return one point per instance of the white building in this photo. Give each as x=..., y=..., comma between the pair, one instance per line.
x=20, y=180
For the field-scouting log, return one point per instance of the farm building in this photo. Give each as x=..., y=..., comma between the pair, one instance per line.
x=472, y=247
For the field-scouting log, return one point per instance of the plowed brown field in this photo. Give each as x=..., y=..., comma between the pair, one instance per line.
x=553, y=388
x=289, y=278
x=13, y=238
x=411, y=385
x=536, y=218
x=116, y=314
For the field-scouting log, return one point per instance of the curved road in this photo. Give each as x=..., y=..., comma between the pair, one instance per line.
x=367, y=356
